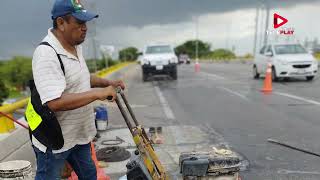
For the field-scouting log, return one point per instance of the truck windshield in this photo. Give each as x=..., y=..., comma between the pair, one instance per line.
x=158, y=49
x=289, y=49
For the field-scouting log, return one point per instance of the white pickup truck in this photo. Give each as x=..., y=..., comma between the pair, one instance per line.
x=159, y=59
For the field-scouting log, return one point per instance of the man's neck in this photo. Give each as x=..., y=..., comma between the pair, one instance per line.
x=65, y=44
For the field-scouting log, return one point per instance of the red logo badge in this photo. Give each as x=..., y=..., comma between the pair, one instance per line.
x=278, y=20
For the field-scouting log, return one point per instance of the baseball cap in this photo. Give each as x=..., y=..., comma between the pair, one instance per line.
x=73, y=7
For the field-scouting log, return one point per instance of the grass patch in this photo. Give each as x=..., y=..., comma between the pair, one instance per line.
x=317, y=56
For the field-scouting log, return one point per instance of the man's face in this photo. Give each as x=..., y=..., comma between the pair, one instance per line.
x=75, y=30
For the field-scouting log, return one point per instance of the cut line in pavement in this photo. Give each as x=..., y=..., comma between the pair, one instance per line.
x=298, y=98
x=164, y=103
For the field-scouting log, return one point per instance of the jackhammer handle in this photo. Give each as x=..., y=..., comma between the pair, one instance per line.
x=109, y=98
x=136, y=123
x=118, y=90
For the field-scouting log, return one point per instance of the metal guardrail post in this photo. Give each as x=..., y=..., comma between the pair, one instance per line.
x=7, y=125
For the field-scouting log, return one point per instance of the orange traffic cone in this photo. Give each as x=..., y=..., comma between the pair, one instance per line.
x=197, y=67
x=101, y=175
x=267, y=87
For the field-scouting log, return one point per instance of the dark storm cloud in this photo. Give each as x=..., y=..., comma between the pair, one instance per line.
x=141, y=12
x=24, y=23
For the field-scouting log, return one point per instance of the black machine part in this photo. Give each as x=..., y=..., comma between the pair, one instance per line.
x=136, y=169
x=204, y=164
x=193, y=165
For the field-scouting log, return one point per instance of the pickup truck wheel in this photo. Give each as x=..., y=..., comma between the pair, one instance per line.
x=174, y=74
x=144, y=76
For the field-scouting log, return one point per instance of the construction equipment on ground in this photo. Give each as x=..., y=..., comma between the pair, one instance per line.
x=144, y=164
x=215, y=164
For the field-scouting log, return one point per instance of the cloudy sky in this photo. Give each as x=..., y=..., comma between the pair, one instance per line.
x=224, y=24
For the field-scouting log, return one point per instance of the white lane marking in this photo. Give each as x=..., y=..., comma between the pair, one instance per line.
x=234, y=93
x=298, y=98
x=211, y=75
x=165, y=105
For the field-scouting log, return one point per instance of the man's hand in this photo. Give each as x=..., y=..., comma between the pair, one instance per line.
x=106, y=93
x=118, y=83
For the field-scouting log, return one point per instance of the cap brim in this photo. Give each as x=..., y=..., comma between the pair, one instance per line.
x=85, y=15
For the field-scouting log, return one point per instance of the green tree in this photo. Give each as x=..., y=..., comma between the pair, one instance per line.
x=109, y=60
x=92, y=65
x=100, y=63
x=129, y=54
x=222, y=54
x=248, y=56
x=17, y=72
x=4, y=92
x=189, y=47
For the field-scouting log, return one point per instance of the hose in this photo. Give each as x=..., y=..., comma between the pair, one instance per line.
x=12, y=119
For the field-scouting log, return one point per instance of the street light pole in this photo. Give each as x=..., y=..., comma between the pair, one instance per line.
x=197, y=39
x=267, y=23
x=256, y=32
x=197, y=65
x=94, y=33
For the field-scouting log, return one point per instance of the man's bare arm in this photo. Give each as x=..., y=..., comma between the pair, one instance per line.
x=76, y=100
x=99, y=82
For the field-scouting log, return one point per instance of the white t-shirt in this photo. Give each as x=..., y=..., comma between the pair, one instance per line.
x=78, y=126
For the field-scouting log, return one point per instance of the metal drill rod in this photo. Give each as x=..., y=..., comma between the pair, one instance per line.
x=131, y=112
x=124, y=114
x=129, y=108
x=143, y=143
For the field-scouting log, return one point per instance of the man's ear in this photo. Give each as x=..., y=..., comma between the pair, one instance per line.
x=60, y=23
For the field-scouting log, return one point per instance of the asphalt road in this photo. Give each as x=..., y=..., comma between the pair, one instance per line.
x=226, y=102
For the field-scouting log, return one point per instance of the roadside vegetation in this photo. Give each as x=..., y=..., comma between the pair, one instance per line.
x=16, y=72
x=317, y=56
x=206, y=53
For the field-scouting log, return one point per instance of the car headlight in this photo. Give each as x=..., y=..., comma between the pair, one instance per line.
x=146, y=61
